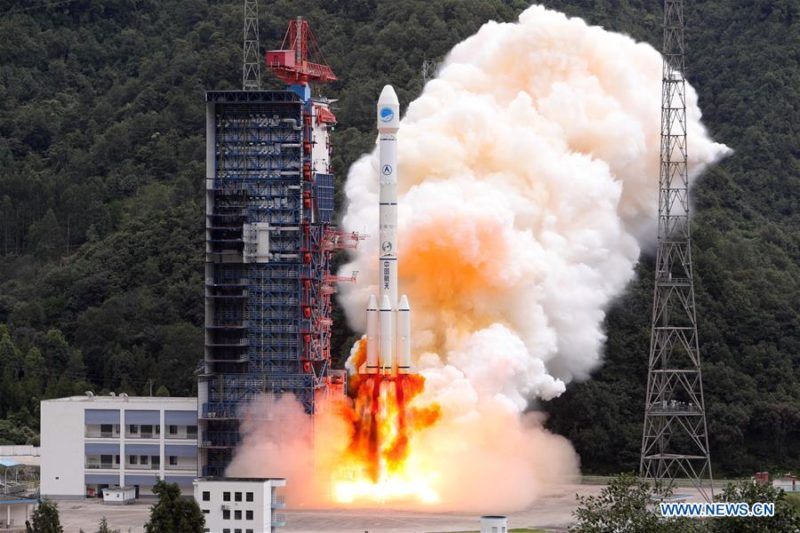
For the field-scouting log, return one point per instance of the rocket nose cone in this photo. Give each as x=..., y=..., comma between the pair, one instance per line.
x=403, y=305
x=388, y=96
x=386, y=305
x=373, y=302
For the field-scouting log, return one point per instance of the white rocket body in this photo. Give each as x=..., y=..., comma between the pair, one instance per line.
x=388, y=329
x=373, y=323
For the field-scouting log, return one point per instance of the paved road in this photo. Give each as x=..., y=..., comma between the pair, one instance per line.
x=551, y=512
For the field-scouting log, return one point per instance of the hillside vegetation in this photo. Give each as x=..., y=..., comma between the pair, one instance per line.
x=101, y=206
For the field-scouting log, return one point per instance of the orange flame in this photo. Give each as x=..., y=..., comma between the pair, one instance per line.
x=383, y=423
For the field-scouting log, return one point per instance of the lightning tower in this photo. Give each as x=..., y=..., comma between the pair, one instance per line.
x=251, y=66
x=675, y=436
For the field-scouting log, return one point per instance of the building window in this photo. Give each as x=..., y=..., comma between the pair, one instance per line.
x=116, y=459
x=206, y=496
x=105, y=430
x=173, y=460
x=237, y=530
x=248, y=515
x=105, y=460
x=248, y=531
x=206, y=511
x=155, y=460
x=226, y=496
x=249, y=496
x=191, y=431
x=132, y=459
x=147, y=430
x=173, y=430
x=237, y=496
x=133, y=429
x=226, y=514
x=237, y=515
x=226, y=530
x=143, y=459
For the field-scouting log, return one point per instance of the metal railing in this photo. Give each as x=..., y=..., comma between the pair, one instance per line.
x=142, y=435
x=143, y=467
x=192, y=467
x=102, y=466
x=102, y=434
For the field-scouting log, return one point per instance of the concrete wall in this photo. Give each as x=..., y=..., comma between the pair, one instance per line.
x=62, y=452
x=27, y=449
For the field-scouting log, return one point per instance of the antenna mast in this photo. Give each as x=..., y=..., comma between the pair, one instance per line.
x=675, y=436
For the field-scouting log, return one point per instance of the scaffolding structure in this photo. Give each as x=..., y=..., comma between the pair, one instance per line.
x=269, y=242
x=675, y=435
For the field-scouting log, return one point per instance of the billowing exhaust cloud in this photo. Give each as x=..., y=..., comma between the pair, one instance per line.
x=528, y=185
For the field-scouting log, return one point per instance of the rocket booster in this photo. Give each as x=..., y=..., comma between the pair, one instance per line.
x=388, y=327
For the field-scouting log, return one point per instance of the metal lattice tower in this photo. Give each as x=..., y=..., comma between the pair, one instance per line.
x=675, y=436
x=251, y=66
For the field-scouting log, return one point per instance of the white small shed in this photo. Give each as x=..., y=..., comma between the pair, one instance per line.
x=119, y=495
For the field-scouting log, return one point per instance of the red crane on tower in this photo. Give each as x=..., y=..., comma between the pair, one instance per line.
x=291, y=63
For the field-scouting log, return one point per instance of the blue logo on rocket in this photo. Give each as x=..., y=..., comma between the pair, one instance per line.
x=386, y=114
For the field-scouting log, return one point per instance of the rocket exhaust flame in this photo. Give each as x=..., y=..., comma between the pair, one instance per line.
x=384, y=422
x=384, y=419
x=527, y=185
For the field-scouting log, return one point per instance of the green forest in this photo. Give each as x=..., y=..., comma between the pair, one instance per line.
x=102, y=208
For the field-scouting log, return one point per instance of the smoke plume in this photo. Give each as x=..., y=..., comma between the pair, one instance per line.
x=528, y=174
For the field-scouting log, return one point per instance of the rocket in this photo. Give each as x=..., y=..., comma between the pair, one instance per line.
x=388, y=321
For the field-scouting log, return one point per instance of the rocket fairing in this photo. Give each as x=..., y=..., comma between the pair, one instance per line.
x=388, y=328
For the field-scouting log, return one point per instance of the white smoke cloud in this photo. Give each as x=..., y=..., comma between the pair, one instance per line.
x=528, y=174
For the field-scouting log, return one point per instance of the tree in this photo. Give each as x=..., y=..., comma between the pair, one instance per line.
x=173, y=514
x=103, y=527
x=45, y=519
x=45, y=236
x=627, y=505
x=162, y=391
x=787, y=515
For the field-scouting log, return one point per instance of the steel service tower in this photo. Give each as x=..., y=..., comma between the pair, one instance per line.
x=269, y=240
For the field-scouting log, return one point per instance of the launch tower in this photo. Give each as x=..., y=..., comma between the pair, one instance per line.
x=675, y=437
x=269, y=240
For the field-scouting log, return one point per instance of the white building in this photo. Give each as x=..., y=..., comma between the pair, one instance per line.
x=240, y=505
x=92, y=442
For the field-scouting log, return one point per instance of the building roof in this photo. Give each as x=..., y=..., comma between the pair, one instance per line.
x=8, y=499
x=118, y=398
